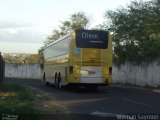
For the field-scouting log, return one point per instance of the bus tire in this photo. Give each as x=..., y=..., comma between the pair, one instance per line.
x=60, y=86
x=46, y=83
x=56, y=80
x=44, y=79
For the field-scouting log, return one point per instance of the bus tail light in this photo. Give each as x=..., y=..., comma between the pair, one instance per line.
x=110, y=70
x=71, y=70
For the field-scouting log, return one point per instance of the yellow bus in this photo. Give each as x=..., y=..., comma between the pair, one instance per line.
x=83, y=58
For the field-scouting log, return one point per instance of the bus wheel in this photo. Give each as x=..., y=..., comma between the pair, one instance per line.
x=60, y=86
x=56, y=80
x=46, y=83
x=44, y=79
x=56, y=84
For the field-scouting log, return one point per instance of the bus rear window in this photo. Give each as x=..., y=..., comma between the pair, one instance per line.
x=91, y=39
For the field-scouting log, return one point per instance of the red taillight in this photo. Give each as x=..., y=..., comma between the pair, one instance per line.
x=71, y=70
x=110, y=70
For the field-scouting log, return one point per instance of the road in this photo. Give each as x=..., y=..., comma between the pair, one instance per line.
x=107, y=102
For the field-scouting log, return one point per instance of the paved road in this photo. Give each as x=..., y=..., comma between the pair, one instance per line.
x=108, y=102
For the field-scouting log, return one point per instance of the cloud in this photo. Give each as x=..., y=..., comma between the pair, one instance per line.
x=7, y=47
x=13, y=24
x=14, y=35
x=8, y=31
x=20, y=32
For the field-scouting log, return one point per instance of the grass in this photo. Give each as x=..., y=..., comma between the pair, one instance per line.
x=17, y=100
x=28, y=103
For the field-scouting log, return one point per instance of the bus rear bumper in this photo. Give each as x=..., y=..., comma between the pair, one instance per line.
x=106, y=82
x=87, y=84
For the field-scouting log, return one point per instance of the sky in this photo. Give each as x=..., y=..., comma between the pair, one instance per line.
x=25, y=24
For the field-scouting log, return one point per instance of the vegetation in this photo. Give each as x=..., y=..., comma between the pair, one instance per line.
x=75, y=21
x=21, y=58
x=28, y=104
x=15, y=100
x=136, y=31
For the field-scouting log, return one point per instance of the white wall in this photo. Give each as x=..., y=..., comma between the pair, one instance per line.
x=143, y=75
x=29, y=71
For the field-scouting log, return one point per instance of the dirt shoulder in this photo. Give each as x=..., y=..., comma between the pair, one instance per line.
x=46, y=103
x=25, y=102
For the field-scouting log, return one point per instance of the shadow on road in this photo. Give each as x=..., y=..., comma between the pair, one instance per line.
x=78, y=89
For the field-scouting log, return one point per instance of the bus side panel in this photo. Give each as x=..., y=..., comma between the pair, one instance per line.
x=50, y=72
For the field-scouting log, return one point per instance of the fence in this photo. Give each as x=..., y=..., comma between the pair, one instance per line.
x=23, y=71
x=141, y=75
x=2, y=69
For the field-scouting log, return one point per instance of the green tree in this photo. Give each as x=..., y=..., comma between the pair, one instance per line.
x=135, y=30
x=54, y=36
x=75, y=21
x=22, y=58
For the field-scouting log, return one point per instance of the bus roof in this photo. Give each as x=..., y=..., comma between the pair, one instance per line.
x=56, y=40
